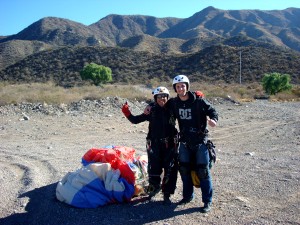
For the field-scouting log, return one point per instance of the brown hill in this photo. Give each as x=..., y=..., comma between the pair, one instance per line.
x=216, y=63
x=114, y=29
x=270, y=26
x=278, y=27
x=58, y=32
x=153, y=44
x=15, y=50
x=270, y=37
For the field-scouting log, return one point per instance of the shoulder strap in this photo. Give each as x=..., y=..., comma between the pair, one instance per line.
x=175, y=107
x=199, y=110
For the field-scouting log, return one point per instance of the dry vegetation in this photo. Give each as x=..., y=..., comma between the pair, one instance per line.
x=53, y=94
x=213, y=64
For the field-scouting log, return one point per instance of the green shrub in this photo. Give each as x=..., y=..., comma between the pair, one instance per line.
x=274, y=83
x=97, y=73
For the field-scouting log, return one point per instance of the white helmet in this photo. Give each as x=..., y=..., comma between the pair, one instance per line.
x=160, y=90
x=181, y=79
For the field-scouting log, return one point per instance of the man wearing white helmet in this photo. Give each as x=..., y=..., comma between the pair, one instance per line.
x=192, y=113
x=161, y=144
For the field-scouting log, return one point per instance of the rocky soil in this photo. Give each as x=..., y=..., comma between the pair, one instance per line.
x=256, y=177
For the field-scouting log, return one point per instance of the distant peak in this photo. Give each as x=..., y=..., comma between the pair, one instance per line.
x=206, y=11
x=210, y=8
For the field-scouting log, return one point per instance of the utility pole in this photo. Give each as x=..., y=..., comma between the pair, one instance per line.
x=240, y=67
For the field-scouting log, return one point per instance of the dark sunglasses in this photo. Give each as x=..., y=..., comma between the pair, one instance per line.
x=162, y=96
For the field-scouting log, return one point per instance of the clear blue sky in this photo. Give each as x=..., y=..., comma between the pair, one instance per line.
x=16, y=15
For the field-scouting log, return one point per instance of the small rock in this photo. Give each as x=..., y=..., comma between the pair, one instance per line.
x=250, y=153
x=25, y=117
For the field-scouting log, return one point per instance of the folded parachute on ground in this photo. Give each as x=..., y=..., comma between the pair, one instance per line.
x=117, y=156
x=108, y=176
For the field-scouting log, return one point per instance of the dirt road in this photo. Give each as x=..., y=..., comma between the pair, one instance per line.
x=256, y=177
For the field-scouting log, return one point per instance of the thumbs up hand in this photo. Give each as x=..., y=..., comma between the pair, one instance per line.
x=125, y=109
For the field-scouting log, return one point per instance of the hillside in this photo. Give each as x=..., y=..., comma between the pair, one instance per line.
x=205, y=46
x=216, y=63
x=15, y=50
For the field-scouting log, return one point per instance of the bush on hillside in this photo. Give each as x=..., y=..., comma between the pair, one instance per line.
x=97, y=73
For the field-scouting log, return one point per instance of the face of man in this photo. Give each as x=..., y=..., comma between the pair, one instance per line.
x=161, y=99
x=181, y=89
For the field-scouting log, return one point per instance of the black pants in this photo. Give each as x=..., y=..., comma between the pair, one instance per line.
x=163, y=157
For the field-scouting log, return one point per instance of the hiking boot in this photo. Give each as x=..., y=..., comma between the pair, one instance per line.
x=152, y=191
x=167, y=200
x=206, y=208
x=185, y=201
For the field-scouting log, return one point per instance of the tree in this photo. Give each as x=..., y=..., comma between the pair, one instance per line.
x=97, y=73
x=274, y=83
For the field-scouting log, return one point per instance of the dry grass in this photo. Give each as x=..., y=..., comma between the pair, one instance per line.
x=52, y=94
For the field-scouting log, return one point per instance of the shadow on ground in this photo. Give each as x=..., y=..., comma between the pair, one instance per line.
x=44, y=208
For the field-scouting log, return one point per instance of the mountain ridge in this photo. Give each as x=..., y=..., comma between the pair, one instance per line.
x=175, y=37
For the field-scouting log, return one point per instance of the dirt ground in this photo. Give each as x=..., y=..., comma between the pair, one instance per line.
x=256, y=177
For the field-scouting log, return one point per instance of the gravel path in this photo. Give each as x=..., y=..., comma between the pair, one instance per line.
x=256, y=177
